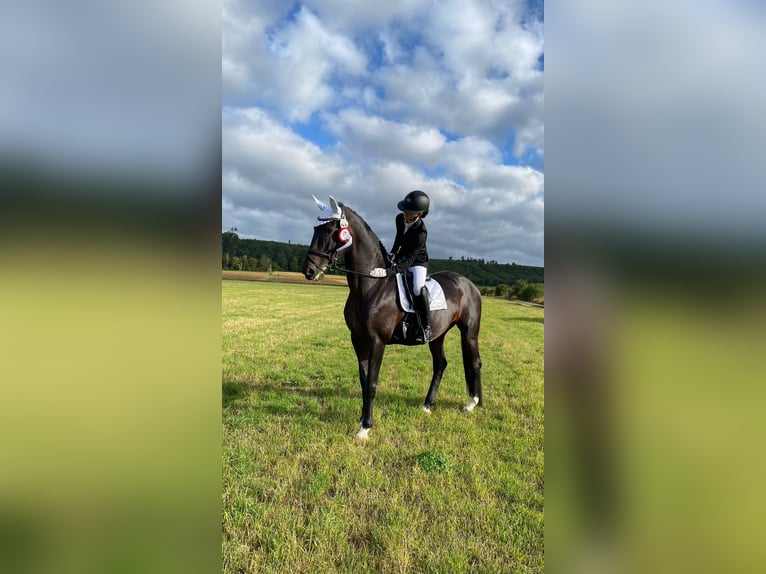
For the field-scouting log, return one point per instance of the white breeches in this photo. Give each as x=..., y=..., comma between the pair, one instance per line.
x=418, y=278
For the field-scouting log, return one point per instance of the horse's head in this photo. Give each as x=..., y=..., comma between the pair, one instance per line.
x=331, y=236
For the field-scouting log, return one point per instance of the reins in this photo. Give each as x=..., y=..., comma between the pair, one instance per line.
x=334, y=266
x=331, y=264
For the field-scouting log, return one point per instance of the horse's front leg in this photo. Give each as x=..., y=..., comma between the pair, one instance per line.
x=369, y=369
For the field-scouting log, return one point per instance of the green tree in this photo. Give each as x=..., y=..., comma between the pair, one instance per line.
x=517, y=288
x=264, y=263
x=530, y=292
x=230, y=241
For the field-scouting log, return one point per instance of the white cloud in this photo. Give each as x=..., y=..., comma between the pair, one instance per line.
x=246, y=63
x=476, y=72
x=351, y=17
x=286, y=64
x=382, y=139
x=474, y=160
x=308, y=55
x=473, y=67
x=261, y=154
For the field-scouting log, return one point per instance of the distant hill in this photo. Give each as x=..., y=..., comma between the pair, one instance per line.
x=489, y=274
x=240, y=254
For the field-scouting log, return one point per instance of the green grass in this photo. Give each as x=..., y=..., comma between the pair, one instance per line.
x=450, y=492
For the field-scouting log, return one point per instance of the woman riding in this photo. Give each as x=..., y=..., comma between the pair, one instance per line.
x=409, y=253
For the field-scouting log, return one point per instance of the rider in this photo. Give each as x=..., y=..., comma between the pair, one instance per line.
x=409, y=253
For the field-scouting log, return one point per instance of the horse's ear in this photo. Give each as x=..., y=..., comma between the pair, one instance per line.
x=335, y=206
x=321, y=206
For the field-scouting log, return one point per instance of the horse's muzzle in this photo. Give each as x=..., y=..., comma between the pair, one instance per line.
x=313, y=275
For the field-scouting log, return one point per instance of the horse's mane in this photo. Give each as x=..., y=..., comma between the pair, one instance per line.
x=382, y=247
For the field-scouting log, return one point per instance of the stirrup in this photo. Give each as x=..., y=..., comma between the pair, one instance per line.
x=423, y=336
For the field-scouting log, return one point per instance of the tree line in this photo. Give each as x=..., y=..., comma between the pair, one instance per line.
x=258, y=255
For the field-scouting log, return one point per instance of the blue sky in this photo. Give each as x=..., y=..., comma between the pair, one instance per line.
x=367, y=101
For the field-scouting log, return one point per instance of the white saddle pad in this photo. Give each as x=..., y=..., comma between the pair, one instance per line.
x=434, y=290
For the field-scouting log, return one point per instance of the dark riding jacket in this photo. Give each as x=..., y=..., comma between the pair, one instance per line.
x=410, y=246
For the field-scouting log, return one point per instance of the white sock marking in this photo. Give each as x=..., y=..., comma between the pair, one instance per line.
x=471, y=404
x=426, y=410
x=362, y=434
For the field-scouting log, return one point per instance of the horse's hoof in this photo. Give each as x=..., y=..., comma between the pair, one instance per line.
x=426, y=410
x=362, y=435
x=471, y=405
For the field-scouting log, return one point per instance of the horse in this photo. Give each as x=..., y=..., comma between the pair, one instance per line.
x=372, y=312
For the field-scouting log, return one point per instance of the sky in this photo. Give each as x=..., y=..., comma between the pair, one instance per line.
x=368, y=101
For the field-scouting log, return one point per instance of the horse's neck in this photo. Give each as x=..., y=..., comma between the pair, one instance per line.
x=366, y=252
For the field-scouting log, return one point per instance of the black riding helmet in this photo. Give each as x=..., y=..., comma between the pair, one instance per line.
x=415, y=202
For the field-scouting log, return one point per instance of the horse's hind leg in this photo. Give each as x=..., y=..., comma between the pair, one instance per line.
x=472, y=367
x=440, y=363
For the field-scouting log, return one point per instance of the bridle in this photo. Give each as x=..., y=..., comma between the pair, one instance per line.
x=346, y=239
x=331, y=257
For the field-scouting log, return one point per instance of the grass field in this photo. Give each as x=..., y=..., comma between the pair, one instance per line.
x=450, y=492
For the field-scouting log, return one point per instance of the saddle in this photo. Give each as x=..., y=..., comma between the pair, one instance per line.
x=406, y=331
x=405, y=297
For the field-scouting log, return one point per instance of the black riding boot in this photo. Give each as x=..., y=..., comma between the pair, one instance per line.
x=424, y=302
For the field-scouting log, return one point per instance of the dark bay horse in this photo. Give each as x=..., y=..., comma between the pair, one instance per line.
x=372, y=312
